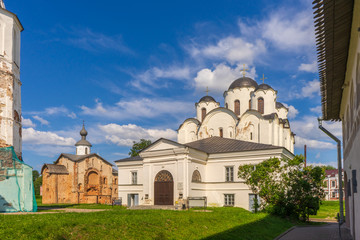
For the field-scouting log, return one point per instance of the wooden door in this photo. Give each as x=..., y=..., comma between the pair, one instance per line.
x=164, y=188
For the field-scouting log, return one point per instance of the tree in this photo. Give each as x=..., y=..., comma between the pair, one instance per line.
x=285, y=186
x=138, y=146
x=328, y=167
x=37, y=185
x=36, y=174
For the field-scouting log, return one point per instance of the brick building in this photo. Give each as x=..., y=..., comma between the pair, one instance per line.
x=81, y=178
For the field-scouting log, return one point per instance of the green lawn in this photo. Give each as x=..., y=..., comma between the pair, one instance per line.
x=328, y=210
x=120, y=223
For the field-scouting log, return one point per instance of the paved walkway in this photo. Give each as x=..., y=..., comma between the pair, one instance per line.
x=329, y=231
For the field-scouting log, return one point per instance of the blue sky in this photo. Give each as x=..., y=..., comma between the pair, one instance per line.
x=134, y=69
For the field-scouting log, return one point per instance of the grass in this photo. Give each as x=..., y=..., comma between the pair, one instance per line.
x=328, y=210
x=120, y=223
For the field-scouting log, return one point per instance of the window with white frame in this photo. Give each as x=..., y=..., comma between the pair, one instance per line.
x=229, y=174
x=133, y=177
x=332, y=183
x=333, y=194
x=229, y=199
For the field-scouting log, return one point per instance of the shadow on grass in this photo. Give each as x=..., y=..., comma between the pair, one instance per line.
x=265, y=228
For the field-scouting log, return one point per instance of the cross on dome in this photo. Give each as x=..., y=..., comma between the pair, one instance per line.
x=263, y=78
x=244, y=70
x=207, y=91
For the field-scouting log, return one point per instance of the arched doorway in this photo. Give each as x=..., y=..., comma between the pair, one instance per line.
x=164, y=188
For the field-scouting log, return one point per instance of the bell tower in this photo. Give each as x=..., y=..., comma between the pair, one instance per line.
x=10, y=84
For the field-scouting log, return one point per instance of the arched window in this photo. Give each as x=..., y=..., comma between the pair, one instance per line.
x=221, y=132
x=196, y=177
x=251, y=136
x=250, y=104
x=86, y=150
x=261, y=105
x=226, y=105
x=203, y=113
x=237, y=107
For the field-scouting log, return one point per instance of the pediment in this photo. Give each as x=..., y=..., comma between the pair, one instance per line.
x=163, y=144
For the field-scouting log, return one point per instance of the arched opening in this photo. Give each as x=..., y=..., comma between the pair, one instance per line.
x=164, y=188
x=203, y=113
x=86, y=150
x=16, y=116
x=221, y=132
x=250, y=104
x=93, y=178
x=226, y=105
x=196, y=177
x=261, y=105
x=237, y=107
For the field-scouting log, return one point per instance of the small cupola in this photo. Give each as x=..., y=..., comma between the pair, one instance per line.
x=83, y=146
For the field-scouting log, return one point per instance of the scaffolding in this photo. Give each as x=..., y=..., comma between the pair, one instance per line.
x=16, y=183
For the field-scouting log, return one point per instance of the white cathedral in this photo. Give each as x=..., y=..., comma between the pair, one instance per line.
x=203, y=164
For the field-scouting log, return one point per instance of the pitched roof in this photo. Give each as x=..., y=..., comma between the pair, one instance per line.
x=129, y=159
x=55, y=169
x=331, y=172
x=333, y=20
x=77, y=158
x=223, y=145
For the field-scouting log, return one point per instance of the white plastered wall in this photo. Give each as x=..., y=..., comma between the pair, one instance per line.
x=241, y=94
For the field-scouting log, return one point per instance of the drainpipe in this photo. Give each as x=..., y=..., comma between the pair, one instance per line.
x=341, y=218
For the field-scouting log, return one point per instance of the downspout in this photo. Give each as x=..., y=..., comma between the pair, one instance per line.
x=341, y=218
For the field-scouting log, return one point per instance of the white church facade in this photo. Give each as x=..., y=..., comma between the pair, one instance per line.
x=251, y=128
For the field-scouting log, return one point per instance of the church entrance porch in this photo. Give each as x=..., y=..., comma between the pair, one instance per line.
x=164, y=188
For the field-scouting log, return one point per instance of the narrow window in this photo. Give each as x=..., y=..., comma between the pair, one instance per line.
x=226, y=105
x=237, y=107
x=221, y=133
x=251, y=137
x=333, y=194
x=250, y=104
x=133, y=177
x=86, y=150
x=261, y=105
x=229, y=174
x=203, y=113
x=332, y=183
x=229, y=199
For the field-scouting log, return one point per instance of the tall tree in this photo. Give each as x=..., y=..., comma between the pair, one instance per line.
x=36, y=174
x=138, y=146
x=285, y=186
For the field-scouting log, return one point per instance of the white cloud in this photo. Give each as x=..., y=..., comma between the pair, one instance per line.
x=288, y=31
x=51, y=111
x=317, y=155
x=310, y=90
x=316, y=109
x=220, y=78
x=308, y=67
x=292, y=111
x=152, y=76
x=311, y=143
x=140, y=108
x=27, y=122
x=319, y=164
x=307, y=132
x=34, y=137
x=41, y=120
x=235, y=50
x=96, y=42
x=124, y=135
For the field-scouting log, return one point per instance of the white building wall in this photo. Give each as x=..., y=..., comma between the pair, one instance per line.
x=241, y=94
x=269, y=97
x=207, y=105
x=10, y=90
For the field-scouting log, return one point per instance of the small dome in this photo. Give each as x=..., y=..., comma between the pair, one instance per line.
x=243, y=82
x=280, y=105
x=207, y=99
x=264, y=86
x=83, y=131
